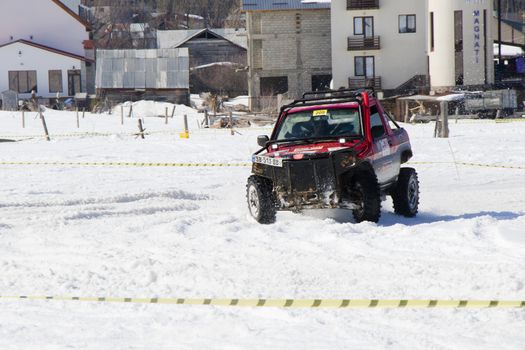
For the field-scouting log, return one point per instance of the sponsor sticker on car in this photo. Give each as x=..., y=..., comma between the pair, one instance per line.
x=276, y=162
x=320, y=113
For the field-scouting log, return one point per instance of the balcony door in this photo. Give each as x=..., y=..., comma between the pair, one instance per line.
x=364, y=26
x=364, y=66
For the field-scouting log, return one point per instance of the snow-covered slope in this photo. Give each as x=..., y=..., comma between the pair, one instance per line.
x=185, y=232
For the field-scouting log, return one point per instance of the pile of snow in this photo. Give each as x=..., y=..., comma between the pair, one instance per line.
x=150, y=109
x=236, y=101
x=508, y=50
x=452, y=97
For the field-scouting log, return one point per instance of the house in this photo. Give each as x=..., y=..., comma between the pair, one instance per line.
x=289, y=48
x=401, y=45
x=44, y=52
x=218, y=58
x=154, y=74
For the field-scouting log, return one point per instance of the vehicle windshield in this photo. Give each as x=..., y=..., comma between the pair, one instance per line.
x=323, y=123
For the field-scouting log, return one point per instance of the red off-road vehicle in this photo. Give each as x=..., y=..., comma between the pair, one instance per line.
x=336, y=149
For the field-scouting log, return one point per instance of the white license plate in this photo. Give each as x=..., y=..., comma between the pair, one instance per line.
x=276, y=162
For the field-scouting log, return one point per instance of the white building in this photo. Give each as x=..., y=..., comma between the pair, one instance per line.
x=404, y=44
x=42, y=48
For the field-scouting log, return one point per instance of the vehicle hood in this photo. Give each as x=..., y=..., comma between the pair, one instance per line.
x=315, y=150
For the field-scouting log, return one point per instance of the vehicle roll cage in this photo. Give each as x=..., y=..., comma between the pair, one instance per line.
x=328, y=97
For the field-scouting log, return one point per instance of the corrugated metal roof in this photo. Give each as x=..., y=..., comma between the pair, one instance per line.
x=266, y=5
x=175, y=38
x=143, y=69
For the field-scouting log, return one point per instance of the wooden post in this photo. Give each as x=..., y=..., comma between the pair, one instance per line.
x=130, y=111
x=186, y=128
x=23, y=119
x=444, y=132
x=83, y=113
x=121, y=114
x=407, y=111
x=43, y=123
x=231, y=123
x=186, y=133
x=279, y=102
x=78, y=118
x=173, y=112
x=166, y=119
x=141, y=129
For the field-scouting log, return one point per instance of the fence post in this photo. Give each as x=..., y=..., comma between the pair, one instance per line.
x=141, y=129
x=444, y=131
x=83, y=113
x=23, y=119
x=166, y=116
x=43, y=122
x=173, y=111
x=231, y=123
x=78, y=118
x=130, y=111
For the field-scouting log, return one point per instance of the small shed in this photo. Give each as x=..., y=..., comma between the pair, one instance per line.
x=154, y=74
x=9, y=100
x=218, y=58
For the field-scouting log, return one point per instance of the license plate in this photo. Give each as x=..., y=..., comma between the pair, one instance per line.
x=276, y=162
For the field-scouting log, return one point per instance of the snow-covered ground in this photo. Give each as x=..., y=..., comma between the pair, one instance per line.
x=185, y=232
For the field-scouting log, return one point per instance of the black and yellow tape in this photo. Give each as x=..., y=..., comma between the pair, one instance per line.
x=213, y=165
x=294, y=303
x=129, y=164
x=478, y=165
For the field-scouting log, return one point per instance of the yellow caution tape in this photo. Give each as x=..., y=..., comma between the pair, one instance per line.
x=510, y=120
x=217, y=165
x=295, y=303
x=479, y=165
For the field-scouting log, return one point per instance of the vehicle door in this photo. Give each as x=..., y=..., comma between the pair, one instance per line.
x=383, y=147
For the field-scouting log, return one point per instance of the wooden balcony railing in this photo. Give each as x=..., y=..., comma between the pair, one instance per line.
x=362, y=4
x=360, y=43
x=362, y=82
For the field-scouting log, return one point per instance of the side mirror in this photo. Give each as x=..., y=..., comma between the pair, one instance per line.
x=263, y=140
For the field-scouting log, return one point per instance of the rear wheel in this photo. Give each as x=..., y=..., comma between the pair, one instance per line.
x=406, y=193
x=364, y=193
x=261, y=203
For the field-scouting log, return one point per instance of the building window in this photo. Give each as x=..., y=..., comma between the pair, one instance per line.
x=431, y=31
x=407, y=23
x=55, y=81
x=364, y=66
x=74, y=82
x=364, y=26
x=23, y=82
x=271, y=86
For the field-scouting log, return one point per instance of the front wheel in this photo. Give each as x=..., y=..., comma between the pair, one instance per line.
x=365, y=195
x=261, y=203
x=406, y=193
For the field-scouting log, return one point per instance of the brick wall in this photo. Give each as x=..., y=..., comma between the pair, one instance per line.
x=296, y=44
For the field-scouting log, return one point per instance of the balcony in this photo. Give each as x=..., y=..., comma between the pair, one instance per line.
x=362, y=4
x=361, y=43
x=363, y=82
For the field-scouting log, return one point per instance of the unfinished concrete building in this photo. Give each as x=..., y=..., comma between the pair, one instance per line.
x=289, y=48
